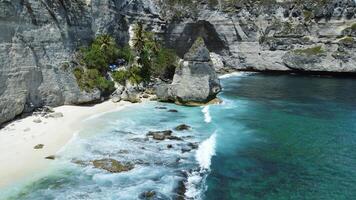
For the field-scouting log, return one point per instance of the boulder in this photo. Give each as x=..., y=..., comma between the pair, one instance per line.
x=112, y=165
x=39, y=146
x=182, y=127
x=160, y=135
x=195, y=80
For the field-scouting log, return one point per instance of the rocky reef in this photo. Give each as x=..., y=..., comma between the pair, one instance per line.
x=38, y=39
x=195, y=80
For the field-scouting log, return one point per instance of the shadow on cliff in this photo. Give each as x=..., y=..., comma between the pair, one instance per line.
x=182, y=41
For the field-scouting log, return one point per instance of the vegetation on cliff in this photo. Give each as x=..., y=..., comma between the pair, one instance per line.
x=312, y=51
x=147, y=59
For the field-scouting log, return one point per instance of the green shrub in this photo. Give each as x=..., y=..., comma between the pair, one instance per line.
x=133, y=75
x=353, y=27
x=91, y=78
x=126, y=53
x=100, y=53
x=310, y=51
x=347, y=40
x=120, y=76
x=164, y=63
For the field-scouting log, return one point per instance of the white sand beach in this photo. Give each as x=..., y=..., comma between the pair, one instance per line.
x=18, y=158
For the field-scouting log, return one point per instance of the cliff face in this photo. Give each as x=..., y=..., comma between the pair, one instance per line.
x=38, y=39
x=276, y=35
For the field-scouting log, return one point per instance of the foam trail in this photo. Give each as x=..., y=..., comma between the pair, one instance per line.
x=195, y=183
x=205, y=152
x=236, y=74
x=207, y=116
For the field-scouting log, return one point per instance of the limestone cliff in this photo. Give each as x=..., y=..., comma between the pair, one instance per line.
x=38, y=39
x=270, y=35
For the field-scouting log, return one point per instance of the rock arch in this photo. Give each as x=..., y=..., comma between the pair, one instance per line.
x=181, y=37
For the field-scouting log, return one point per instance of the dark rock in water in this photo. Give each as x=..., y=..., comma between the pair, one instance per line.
x=173, y=111
x=123, y=152
x=39, y=146
x=153, y=195
x=169, y=146
x=139, y=139
x=172, y=137
x=181, y=188
x=112, y=165
x=195, y=81
x=148, y=195
x=158, y=136
x=193, y=145
x=52, y=157
x=161, y=107
x=182, y=127
x=164, y=133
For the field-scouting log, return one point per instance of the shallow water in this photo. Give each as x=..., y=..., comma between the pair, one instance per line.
x=274, y=137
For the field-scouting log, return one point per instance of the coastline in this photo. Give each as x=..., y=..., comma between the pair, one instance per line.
x=18, y=157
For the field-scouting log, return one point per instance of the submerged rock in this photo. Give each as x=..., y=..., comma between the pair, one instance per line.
x=173, y=111
x=182, y=127
x=195, y=81
x=112, y=165
x=162, y=135
x=161, y=108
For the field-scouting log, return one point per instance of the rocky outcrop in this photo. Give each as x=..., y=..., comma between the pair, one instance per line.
x=195, y=80
x=38, y=39
x=258, y=36
x=112, y=165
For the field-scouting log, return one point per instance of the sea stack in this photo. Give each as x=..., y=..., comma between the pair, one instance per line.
x=195, y=81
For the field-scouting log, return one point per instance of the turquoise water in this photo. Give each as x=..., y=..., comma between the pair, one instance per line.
x=274, y=137
x=285, y=137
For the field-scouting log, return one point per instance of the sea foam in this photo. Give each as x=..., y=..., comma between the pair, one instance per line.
x=236, y=74
x=207, y=116
x=195, y=183
x=205, y=152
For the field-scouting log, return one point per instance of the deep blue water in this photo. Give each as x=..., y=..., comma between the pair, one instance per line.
x=273, y=137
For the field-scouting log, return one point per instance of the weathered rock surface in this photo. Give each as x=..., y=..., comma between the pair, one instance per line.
x=182, y=127
x=195, y=80
x=112, y=165
x=38, y=40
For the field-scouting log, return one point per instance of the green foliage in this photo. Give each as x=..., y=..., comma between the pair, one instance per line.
x=91, y=78
x=310, y=51
x=133, y=75
x=100, y=53
x=308, y=15
x=120, y=76
x=165, y=63
x=347, y=40
x=154, y=59
x=126, y=53
x=353, y=27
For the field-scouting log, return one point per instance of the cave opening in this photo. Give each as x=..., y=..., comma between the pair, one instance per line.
x=184, y=40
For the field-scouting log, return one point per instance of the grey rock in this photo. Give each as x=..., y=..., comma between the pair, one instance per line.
x=54, y=115
x=195, y=80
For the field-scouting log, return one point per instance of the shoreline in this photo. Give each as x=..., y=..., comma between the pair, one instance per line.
x=19, y=158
